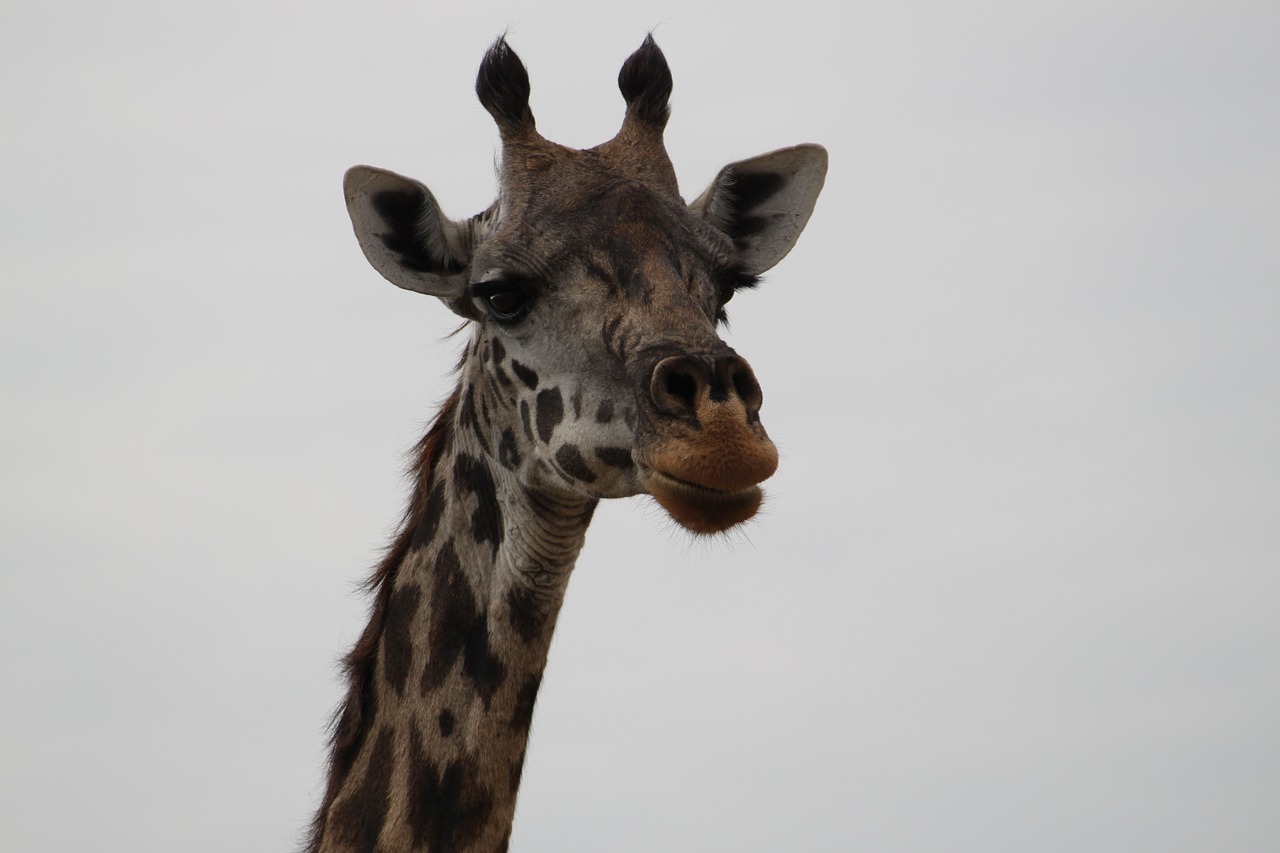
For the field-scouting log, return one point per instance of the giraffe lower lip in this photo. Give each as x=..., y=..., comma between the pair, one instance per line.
x=702, y=509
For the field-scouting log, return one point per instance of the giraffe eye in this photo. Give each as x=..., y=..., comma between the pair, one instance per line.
x=507, y=300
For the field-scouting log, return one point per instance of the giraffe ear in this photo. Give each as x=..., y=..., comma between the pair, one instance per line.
x=404, y=234
x=764, y=203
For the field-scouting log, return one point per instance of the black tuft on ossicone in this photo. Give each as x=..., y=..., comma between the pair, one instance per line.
x=502, y=85
x=645, y=81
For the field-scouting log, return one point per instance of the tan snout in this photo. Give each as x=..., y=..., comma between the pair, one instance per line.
x=708, y=451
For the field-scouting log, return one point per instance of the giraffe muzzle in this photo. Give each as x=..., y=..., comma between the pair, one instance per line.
x=706, y=452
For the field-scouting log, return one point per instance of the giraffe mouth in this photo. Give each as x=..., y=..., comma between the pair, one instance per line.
x=698, y=508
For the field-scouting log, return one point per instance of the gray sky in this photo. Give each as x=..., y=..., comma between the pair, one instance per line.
x=1017, y=585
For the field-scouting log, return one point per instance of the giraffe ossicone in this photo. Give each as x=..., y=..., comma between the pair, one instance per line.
x=594, y=370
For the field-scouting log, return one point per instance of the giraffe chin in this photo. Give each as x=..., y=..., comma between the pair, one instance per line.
x=702, y=509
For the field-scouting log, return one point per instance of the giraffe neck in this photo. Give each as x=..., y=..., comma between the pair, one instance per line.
x=429, y=748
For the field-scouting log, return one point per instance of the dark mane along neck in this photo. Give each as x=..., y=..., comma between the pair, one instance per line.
x=349, y=721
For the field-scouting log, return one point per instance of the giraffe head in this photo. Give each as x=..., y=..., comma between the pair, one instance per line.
x=595, y=293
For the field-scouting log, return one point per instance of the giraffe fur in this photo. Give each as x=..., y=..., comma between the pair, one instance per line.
x=594, y=369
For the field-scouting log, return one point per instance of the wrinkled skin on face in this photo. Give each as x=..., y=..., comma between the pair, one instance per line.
x=595, y=365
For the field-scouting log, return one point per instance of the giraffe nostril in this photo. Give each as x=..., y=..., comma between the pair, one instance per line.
x=677, y=382
x=683, y=387
x=747, y=388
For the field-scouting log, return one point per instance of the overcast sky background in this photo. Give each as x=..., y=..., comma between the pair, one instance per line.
x=1017, y=587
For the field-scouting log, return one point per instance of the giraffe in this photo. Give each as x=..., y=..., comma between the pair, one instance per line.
x=594, y=370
